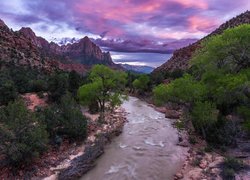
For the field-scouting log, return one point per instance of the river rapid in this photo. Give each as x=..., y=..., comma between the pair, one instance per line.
x=146, y=149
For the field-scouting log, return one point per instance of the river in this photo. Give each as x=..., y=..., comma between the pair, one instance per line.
x=146, y=150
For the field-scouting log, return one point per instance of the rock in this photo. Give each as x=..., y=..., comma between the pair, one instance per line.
x=203, y=164
x=194, y=174
x=215, y=171
x=179, y=176
x=172, y=114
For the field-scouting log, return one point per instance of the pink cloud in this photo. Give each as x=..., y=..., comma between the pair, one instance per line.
x=199, y=23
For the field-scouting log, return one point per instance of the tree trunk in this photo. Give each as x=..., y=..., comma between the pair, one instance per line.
x=203, y=132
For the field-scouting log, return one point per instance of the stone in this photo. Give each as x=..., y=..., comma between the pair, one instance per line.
x=203, y=164
x=179, y=176
x=172, y=114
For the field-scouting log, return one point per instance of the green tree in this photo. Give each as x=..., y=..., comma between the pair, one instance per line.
x=204, y=114
x=8, y=90
x=105, y=85
x=161, y=94
x=142, y=83
x=22, y=135
x=58, y=86
x=229, y=51
x=182, y=90
x=65, y=119
x=75, y=81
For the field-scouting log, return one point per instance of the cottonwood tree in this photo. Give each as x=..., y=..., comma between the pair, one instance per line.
x=105, y=88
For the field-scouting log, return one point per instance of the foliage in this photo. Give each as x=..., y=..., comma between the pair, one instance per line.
x=74, y=81
x=22, y=135
x=105, y=87
x=204, y=114
x=230, y=167
x=161, y=94
x=244, y=112
x=218, y=84
x=65, y=119
x=58, y=86
x=8, y=90
x=184, y=89
x=130, y=79
x=142, y=83
x=229, y=51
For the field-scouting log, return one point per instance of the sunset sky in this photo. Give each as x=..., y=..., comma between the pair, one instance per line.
x=135, y=31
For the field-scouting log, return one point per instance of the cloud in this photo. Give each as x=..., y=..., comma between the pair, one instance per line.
x=124, y=25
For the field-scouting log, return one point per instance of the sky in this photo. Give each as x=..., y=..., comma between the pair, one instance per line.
x=135, y=31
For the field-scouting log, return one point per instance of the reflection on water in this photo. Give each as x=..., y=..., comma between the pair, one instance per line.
x=145, y=150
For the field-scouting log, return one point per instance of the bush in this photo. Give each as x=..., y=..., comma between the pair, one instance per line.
x=230, y=167
x=23, y=136
x=65, y=119
x=244, y=112
x=161, y=94
x=204, y=115
x=142, y=83
x=38, y=85
x=58, y=85
x=233, y=163
x=8, y=91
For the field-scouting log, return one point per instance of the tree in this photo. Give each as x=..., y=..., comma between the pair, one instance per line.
x=161, y=94
x=74, y=82
x=204, y=114
x=22, y=135
x=182, y=90
x=58, y=86
x=142, y=83
x=65, y=119
x=105, y=86
x=229, y=51
x=8, y=90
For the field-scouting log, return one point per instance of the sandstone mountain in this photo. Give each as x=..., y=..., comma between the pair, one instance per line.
x=181, y=57
x=24, y=48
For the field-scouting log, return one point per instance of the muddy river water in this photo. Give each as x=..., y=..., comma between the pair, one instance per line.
x=146, y=150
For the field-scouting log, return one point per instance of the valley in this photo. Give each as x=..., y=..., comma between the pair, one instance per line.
x=70, y=111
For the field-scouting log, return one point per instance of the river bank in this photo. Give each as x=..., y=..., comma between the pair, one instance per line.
x=147, y=148
x=63, y=158
x=202, y=161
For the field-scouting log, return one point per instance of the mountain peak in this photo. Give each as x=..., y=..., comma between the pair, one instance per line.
x=86, y=40
x=2, y=24
x=27, y=32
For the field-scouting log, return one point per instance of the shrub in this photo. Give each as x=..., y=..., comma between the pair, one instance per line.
x=22, y=135
x=161, y=94
x=230, y=167
x=58, y=85
x=142, y=83
x=65, y=119
x=204, y=114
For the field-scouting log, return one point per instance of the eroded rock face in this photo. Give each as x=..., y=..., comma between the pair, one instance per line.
x=181, y=57
x=23, y=47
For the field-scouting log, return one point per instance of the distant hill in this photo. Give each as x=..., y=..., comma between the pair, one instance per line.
x=138, y=69
x=181, y=57
x=24, y=48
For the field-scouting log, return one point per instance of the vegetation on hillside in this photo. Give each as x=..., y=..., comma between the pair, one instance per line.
x=25, y=134
x=217, y=85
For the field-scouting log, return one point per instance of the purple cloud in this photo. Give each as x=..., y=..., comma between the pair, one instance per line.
x=125, y=25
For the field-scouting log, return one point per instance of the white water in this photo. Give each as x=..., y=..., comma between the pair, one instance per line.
x=146, y=150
